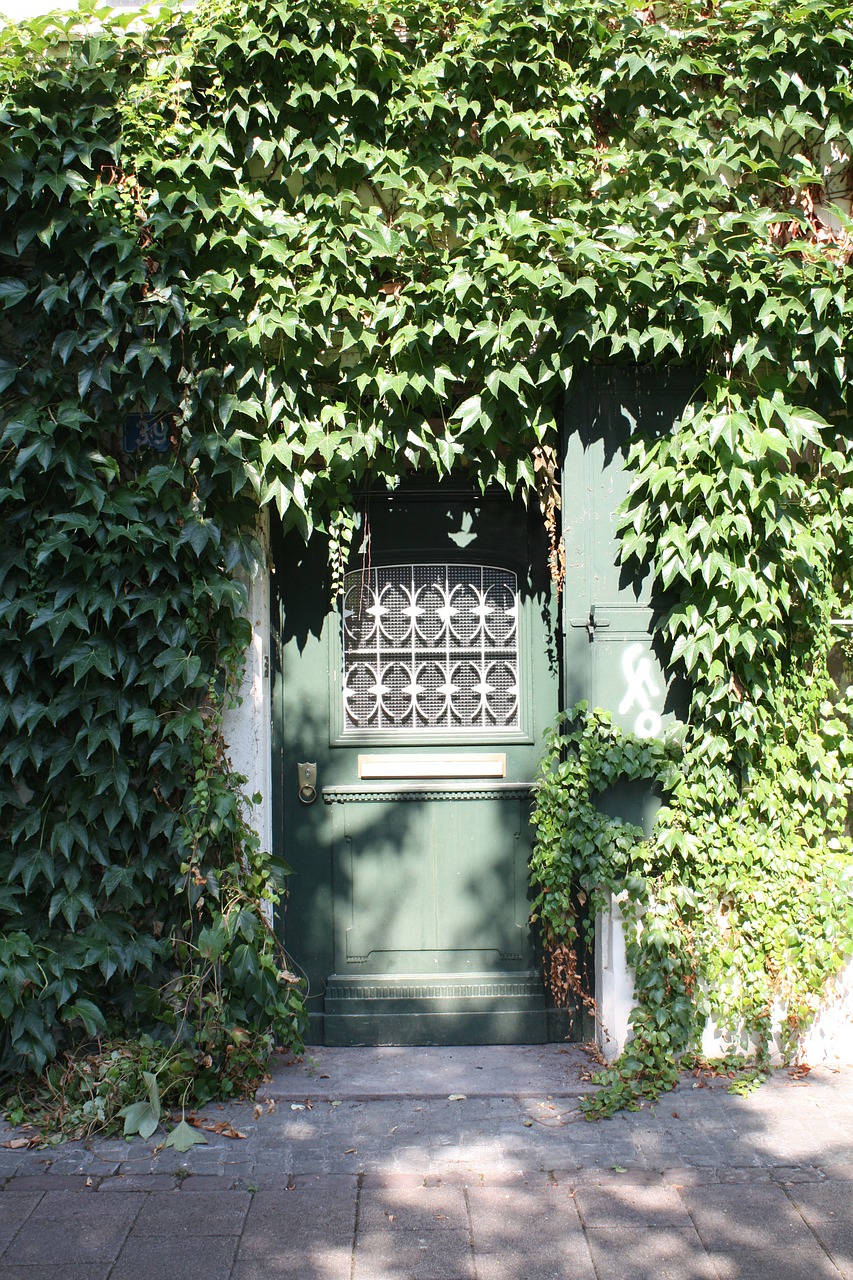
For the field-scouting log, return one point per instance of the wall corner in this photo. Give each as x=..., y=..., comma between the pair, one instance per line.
x=247, y=726
x=614, y=981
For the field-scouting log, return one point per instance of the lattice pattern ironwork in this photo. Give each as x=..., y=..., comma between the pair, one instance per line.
x=430, y=646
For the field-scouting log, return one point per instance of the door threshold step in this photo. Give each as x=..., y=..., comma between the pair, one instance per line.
x=385, y=1072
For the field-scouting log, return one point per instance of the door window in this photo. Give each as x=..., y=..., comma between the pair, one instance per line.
x=429, y=647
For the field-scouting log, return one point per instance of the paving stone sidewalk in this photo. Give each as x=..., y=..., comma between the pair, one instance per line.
x=452, y=1164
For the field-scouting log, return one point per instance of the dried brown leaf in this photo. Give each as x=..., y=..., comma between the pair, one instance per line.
x=223, y=1127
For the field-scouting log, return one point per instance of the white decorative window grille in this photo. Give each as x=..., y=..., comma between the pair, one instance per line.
x=429, y=646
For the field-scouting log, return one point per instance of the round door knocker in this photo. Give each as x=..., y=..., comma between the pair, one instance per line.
x=306, y=778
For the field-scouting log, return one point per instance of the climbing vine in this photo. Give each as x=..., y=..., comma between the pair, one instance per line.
x=733, y=913
x=298, y=245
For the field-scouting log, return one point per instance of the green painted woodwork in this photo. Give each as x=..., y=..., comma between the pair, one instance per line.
x=615, y=664
x=408, y=907
x=619, y=669
x=420, y=888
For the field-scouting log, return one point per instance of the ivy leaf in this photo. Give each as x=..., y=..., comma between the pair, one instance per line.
x=803, y=424
x=8, y=372
x=89, y=1014
x=468, y=413
x=12, y=292
x=184, y=1136
x=140, y=1117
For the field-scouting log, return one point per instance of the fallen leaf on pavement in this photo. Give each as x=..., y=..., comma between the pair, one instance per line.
x=183, y=1137
x=223, y=1127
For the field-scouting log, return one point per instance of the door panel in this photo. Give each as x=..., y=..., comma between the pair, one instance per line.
x=408, y=906
x=421, y=890
x=611, y=657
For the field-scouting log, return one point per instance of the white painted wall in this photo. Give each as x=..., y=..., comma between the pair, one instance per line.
x=614, y=982
x=248, y=726
x=828, y=1042
x=17, y=10
x=830, y=1039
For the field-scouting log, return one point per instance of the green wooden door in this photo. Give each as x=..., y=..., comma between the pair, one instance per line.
x=611, y=659
x=420, y=698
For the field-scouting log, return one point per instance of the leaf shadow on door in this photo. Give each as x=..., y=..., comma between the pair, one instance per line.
x=404, y=905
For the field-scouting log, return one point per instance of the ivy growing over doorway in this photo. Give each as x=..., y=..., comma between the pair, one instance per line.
x=734, y=915
x=300, y=245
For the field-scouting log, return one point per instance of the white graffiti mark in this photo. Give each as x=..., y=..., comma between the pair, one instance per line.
x=648, y=724
x=641, y=688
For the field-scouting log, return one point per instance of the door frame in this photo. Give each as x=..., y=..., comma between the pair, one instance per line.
x=519, y=557
x=251, y=728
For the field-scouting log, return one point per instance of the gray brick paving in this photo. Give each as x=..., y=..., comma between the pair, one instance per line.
x=218, y=1213
x=14, y=1212
x=533, y=1265
x=774, y=1264
x=70, y=1227
x=745, y=1217
x=281, y=1223
x=74, y=1271
x=324, y=1262
x=188, y=1258
x=625, y=1205
x=828, y=1211
x=393, y=1183
x=625, y=1253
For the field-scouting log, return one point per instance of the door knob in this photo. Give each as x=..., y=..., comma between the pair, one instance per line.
x=307, y=777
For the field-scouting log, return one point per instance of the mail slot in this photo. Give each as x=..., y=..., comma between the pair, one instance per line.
x=434, y=765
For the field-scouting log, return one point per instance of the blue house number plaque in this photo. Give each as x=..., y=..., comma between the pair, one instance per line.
x=147, y=431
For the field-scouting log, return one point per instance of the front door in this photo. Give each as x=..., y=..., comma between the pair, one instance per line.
x=409, y=719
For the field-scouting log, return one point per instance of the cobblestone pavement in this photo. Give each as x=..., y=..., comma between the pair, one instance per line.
x=452, y=1165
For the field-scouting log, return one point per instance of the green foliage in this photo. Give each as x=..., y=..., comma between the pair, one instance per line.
x=746, y=1082
x=85, y=1094
x=582, y=856
x=143, y=1117
x=329, y=242
x=128, y=1087
x=737, y=912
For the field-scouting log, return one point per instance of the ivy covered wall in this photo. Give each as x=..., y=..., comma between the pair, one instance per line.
x=321, y=242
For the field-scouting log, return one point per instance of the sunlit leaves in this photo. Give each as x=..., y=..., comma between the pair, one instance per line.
x=343, y=241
